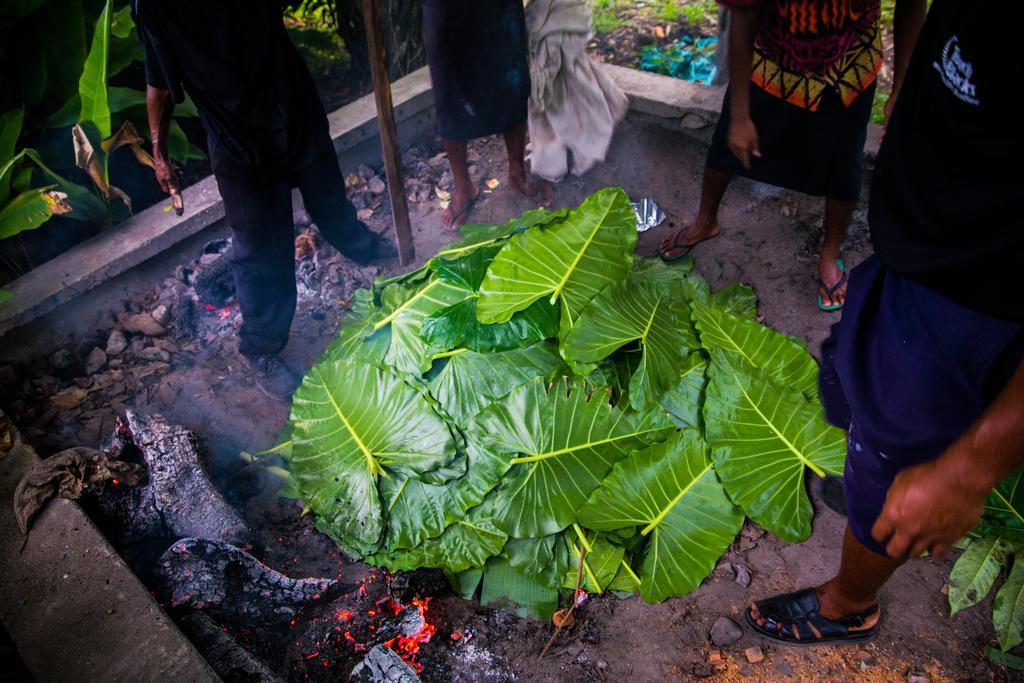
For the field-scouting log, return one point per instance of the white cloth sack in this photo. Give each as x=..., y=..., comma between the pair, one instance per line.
x=574, y=104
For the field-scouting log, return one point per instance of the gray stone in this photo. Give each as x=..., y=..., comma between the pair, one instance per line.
x=116, y=343
x=152, y=353
x=725, y=631
x=96, y=361
x=161, y=314
x=62, y=360
x=143, y=323
x=742, y=574
x=918, y=678
x=377, y=185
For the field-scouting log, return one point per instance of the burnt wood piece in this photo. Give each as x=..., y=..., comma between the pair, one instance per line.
x=231, y=661
x=181, y=490
x=382, y=665
x=70, y=474
x=131, y=512
x=228, y=582
x=214, y=283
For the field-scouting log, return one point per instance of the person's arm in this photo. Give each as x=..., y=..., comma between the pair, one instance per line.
x=159, y=107
x=742, y=137
x=931, y=506
x=908, y=18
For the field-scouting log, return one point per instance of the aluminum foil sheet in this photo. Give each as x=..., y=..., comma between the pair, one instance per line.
x=648, y=214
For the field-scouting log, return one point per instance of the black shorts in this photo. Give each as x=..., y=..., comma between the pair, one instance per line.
x=818, y=152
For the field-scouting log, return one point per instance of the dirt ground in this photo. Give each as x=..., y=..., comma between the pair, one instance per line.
x=769, y=240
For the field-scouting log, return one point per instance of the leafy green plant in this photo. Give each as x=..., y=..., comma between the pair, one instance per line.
x=670, y=11
x=626, y=435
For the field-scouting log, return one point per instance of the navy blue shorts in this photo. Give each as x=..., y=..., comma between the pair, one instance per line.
x=906, y=372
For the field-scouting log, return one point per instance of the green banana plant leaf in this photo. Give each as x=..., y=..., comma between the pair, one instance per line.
x=672, y=491
x=466, y=543
x=354, y=423
x=10, y=130
x=472, y=381
x=1008, y=608
x=544, y=559
x=92, y=86
x=561, y=442
x=763, y=437
x=602, y=560
x=5, y=295
x=84, y=204
x=976, y=571
x=784, y=360
x=737, y=300
x=31, y=209
x=403, y=310
x=418, y=511
x=653, y=314
x=684, y=399
x=1004, y=508
x=568, y=262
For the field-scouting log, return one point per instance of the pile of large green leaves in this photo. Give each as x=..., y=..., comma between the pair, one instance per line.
x=537, y=389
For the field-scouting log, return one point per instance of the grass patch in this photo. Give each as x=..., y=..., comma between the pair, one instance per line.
x=878, y=106
x=668, y=10
x=606, y=18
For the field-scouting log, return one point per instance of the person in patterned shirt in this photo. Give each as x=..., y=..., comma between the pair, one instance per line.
x=802, y=76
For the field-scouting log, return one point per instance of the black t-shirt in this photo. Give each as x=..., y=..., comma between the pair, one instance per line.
x=947, y=197
x=254, y=94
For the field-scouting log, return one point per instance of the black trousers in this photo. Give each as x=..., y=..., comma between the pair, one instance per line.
x=258, y=207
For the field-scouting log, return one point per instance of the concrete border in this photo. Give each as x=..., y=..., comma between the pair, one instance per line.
x=675, y=104
x=74, y=609
x=149, y=232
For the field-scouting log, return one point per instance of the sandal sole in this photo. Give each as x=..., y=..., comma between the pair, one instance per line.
x=859, y=638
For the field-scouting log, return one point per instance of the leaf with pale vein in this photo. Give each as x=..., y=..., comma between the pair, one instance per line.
x=684, y=399
x=353, y=423
x=671, y=490
x=561, y=443
x=1008, y=608
x=568, y=262
x=651, y=313
x=763, y=437
x=976, y=571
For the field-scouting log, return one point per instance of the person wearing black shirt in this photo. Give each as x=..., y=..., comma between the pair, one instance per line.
x=267, y=133
x=926, y=369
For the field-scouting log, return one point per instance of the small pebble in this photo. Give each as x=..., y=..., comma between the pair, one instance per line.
x=754, y=654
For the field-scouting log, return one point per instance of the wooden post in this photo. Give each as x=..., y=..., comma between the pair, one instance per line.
x=388, y=134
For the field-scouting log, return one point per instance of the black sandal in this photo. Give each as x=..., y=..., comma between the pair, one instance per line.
x=794, y=619
x=686, y=248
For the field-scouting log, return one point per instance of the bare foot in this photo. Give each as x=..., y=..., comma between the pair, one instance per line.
x=536, y=189
x=682, y=241
x=830, y=275
x=458, y=211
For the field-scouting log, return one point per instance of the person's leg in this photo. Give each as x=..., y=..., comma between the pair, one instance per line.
x=705, y=225
x=465, y=193
x=518, y=176
x=837, y=222
x=323, y=194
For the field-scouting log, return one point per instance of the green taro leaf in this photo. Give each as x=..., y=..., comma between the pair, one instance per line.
x=544, y=559
x=615, y=373
x=352, y=424
x=457, y=327
x=403, y=310
x=683, y=401
x=507, y=588
x=475, y=235
x=561, y=442
x=418, y=511
x=655, y=270
x=567, y=262
x=784, y=360
x=653, y=314
x=352, y=342
x=467, y=543
x=738, y=300
x=1008, y=609
x=763, y=437
x=671, y=491
x=472, y=381
x=976, y=571
x=601, y=561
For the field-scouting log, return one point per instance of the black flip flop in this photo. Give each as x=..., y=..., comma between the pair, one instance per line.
x=686, y=248
x=800, y=611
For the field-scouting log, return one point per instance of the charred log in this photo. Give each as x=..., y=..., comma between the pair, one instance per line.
x=214, y=282
x=382, y=665
x=234, y=585
x=231, y=661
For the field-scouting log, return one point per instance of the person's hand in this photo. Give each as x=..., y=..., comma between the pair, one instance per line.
x=928, y=508
x=743, y=140
x=166, y=174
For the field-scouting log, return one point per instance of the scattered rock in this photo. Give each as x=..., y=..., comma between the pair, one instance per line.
x=116, y=343
x=754, y=654
x=725, y=631
x=69, y=398
x=918, y=678
x=364, y=214
x=95, y=361
x=161, y=314
x=143, y=323
x=62, y=360
x=716, y=660
x=377, y=185
x=742, y=574
x=365, y=172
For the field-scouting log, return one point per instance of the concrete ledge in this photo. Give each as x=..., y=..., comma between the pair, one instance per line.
x=155, y=229
x=72, y=606
x=688, y=107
